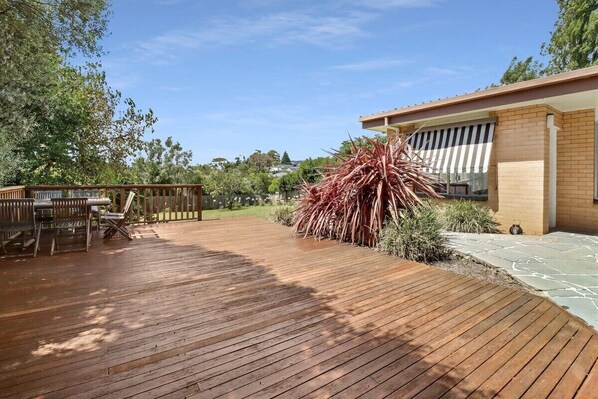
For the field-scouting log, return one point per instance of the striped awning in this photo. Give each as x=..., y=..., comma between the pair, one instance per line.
x=459, y=148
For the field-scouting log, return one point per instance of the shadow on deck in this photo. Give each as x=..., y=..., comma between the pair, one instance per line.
x=240, y=308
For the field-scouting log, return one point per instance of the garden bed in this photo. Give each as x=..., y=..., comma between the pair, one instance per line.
x=468, y=266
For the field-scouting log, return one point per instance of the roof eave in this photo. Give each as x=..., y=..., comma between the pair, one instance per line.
x=567, y=83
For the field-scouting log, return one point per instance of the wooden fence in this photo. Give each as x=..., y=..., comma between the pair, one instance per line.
x=155, y=203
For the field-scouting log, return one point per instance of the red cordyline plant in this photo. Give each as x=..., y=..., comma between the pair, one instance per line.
x=354, y=198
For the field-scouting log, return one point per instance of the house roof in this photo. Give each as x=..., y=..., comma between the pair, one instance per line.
x=562, y=90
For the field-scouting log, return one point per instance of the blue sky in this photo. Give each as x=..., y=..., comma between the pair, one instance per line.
x=226, y=78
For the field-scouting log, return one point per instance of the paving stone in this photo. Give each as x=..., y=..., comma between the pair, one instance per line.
x=582, y=280
x=542, y=283
x=573, y=292
x=541, y=268
x=544, y=251
x=510, y=255
x=554, y=263
x=573, y=266
x=493, y=260
x=584, y=308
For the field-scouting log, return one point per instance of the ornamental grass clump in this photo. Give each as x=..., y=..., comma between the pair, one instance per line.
x=468, y=217
x=283, y=214
x=417, y=236
x=372, y=183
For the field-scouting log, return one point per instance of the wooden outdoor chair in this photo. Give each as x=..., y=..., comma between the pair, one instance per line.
x=116, y=220
x=71, y=220
x=17, y=217
x=95, y=210
x=44, y=216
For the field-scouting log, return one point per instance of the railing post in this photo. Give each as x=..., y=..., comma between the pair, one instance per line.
x=122, y=199
x=199, y=202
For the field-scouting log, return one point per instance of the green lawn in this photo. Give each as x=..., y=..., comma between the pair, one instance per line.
x=259, y=211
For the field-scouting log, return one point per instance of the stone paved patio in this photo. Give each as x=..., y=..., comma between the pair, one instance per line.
x=563, y=265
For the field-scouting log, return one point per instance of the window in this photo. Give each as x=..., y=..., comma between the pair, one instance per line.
x=458, y=155
x=463, y=184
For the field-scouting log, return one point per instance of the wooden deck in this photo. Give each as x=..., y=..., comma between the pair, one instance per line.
x=239, y=308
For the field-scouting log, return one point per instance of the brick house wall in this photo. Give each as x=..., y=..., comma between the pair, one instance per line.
x=518, y=175
x=575, y=172
x=518, y=172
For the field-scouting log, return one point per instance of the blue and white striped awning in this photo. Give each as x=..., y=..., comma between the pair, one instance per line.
x=459, y=148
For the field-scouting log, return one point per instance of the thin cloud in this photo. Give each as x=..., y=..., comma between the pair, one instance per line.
x=371, y=65
x=388, y=4
x=174, y=89
x=439, y=71
x=169, y=2
x=281, y=28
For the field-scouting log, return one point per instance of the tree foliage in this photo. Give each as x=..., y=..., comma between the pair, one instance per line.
x=309, y=171
x=259, y=182
x=69, y=26
x=84, y=138
x=573, y=44
x=227, y=182
x=58, y=123
x=161, y=163
x=274, y=156
x=520, y=71
x=260, y=161
x=35, y=37
x=285, y=160
x=574, y=41
x=348, y=146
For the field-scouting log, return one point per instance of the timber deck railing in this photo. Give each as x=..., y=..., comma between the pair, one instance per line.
x=153, y=203
x=13, y=192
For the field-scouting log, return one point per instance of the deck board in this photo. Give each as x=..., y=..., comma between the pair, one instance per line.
x=240, y=308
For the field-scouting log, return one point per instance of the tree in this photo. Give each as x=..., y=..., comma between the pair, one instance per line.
x=69, y=26
x=35, y=37
x=274, y=186
x=84, y=139
x=312, y=170
x=573, y=44
x=162, y=164
x=260, y=161
x=285, y=160
x=309, y=171
x=574, y=41
x=228, y=183
x=289, y=182
x=220, y=163
x=260, y=182
x=519, y=71
x=347, y=145
x=274, y=156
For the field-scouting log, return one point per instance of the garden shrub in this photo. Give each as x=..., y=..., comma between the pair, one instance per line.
x=283, y=214
x=416, y=235
x=468, y=217
x=361, y=190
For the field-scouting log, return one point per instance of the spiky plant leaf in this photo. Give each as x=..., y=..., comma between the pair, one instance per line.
x=364, y=188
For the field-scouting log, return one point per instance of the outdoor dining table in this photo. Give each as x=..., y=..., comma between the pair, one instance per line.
x=47, y=203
